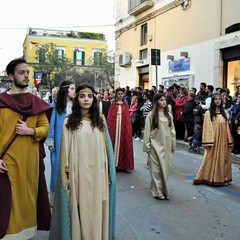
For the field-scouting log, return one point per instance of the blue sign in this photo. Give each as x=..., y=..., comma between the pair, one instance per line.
x=38, y=77
x=180, y=65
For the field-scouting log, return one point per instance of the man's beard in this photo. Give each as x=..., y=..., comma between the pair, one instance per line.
x=20, y=85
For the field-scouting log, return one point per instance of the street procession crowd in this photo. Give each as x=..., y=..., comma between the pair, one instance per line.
x=90, y=137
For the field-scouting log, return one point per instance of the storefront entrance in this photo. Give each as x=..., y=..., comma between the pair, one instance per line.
x=231, y=68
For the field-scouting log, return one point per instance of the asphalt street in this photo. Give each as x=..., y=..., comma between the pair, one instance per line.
x=192, y=213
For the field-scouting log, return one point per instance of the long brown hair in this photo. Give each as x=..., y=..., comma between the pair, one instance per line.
x=155, y=112
x=212, y=108
x=75, y=118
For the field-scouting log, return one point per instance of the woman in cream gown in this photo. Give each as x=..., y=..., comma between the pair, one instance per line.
x=159, y=143
x=87, y=174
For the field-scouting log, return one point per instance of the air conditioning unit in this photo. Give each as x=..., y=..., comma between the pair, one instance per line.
x=125, y=59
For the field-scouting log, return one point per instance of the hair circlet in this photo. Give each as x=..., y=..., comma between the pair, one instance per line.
x=85, y=90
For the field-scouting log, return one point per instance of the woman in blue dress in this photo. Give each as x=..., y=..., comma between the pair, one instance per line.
x=62, y=107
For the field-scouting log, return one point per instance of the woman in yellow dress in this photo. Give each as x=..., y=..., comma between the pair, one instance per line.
x=216, y=168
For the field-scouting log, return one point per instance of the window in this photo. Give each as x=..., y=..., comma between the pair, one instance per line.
x=60, y=52
x=97, y=57
x=143, y=54
x=42, y=55
x=79, y=56
x=144, y=34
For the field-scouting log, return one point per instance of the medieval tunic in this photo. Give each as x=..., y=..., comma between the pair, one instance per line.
x=216, y=167
x=54, y=139
x=85, y=153
x=120, y=130
x=22, y=160
x=159, y=143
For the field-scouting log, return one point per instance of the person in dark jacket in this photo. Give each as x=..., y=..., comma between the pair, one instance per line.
x=187, y=115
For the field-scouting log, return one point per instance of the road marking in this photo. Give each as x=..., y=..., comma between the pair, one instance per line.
x=218, y=190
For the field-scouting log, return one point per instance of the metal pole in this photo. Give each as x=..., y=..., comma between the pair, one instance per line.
x=156, y=77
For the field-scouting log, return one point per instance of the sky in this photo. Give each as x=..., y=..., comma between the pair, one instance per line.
x=78, y=15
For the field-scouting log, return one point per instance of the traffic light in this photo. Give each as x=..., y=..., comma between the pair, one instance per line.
x=155, y=57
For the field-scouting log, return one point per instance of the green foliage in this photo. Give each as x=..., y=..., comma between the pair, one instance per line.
x=91, y=35
x=51, y=64
x=104, y=69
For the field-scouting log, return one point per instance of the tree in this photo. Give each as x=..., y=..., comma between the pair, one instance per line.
x=104, y=68
x=52, y=64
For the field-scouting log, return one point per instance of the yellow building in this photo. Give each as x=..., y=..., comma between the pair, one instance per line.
x=82, y=48
x=199, y=41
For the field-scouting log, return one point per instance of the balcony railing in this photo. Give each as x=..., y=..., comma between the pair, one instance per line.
x=138, y=6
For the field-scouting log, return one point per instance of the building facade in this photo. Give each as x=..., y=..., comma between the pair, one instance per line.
x=82, y=48
x=182, y=41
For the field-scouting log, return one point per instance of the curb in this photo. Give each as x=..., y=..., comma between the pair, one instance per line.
x=184, y=145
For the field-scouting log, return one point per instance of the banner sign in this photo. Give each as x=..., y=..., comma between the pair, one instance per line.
x=38, y=77
x=180, y=65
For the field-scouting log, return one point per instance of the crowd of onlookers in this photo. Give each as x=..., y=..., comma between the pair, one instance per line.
x=186, y=105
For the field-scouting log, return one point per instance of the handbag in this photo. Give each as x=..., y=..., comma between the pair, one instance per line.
x=132, y=118
x=238, y=130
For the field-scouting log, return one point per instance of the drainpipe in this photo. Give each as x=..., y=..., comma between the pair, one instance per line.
x=221, y=15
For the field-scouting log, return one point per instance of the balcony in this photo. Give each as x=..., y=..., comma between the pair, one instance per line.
x=139, y=6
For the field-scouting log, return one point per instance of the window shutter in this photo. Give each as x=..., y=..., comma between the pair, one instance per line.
x=83, y=58
x=74, y=57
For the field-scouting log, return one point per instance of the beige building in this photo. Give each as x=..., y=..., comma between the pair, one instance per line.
x=199, y=41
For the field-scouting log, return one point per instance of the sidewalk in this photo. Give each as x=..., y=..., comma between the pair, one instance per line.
x=184, y=145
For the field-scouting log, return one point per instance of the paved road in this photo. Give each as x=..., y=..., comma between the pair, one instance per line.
x=193, y=212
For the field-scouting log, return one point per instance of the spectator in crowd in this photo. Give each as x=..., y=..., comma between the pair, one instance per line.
x=195, y=141
x=180, y=102
x=215, y=169
x=87, y=172
x=160, y=88
x=236, y=93
x=36, y=93
x=154, y=89
x=53, y=95
x=24, y=124
x=208, y=98
x=188, y=116
x=202, y=89
x=127, y=97
x=234, y=116
x=132, y=114
x=146, y=108
x=138, y=122
x=193, y=89
x=62, y=106
x=159, y=143
x=120, y=130
x=105, y=104
x=198, y=111
x=227, y=102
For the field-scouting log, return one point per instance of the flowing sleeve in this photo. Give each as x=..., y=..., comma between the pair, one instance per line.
x=112, y=178
x=51, y=135
x=208, y=137
x=147, y=132
x=173, y=134
x=61, y=220
x=229, y=135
